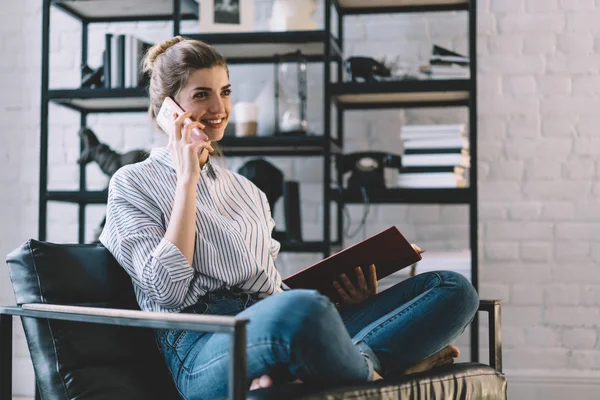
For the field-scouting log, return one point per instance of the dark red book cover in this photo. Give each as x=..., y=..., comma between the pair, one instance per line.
x=388, y=250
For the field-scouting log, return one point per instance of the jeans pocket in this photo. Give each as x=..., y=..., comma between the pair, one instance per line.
x=174, y=337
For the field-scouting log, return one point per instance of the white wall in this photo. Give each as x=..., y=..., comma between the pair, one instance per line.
x=539, y=96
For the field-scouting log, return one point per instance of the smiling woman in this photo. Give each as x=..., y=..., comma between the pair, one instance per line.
x=196, y=76
x=197, y=238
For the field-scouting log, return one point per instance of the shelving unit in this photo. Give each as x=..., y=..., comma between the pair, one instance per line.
x=322, y=46
x=401, y=94
x=238, y=48
x=417, y=94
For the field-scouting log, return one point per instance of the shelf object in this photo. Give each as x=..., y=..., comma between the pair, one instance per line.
x=402, y=94
x=277, y=145
x=261, y=47
x=357, y=7
x=125, y=10
x=101, y=99
x=407, y=196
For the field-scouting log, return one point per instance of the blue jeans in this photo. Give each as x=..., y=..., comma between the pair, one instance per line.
x=301, y=334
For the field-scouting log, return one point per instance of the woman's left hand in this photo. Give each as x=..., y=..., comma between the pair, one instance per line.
x=352, y=295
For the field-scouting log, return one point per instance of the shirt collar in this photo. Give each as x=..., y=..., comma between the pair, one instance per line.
x=163, y=155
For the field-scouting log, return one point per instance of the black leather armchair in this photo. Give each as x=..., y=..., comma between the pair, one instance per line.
x=87, y=339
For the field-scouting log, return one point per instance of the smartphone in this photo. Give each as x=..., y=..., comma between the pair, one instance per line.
x=165, y=119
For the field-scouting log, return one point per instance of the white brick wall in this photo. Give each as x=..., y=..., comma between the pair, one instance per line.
x=538, y=141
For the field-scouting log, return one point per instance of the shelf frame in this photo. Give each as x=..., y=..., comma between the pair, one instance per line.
x=68, y=8
x=459, y=196
x=412, y=7
x=82, y=100
x=272, y=38
x=402, y=94
x=311, y=145
x=82, y=197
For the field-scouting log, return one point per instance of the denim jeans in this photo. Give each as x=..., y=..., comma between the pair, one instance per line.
x=301, y=334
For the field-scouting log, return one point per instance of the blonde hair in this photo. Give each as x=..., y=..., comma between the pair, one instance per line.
x=170, y=63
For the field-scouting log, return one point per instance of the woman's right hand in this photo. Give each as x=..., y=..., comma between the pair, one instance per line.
x=184, y=152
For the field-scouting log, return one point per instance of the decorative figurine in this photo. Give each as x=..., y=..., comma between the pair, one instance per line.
x=107, y=159
x=92, y=78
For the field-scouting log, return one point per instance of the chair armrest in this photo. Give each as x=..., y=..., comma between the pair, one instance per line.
x=234, y=326
x=494, y=310
x=114, y=316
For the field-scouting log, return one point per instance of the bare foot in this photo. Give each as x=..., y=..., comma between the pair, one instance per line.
x=266, y=381
x=376, y=376
x=443, y=357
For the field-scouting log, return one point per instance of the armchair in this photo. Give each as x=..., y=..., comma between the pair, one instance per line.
x=89, y=340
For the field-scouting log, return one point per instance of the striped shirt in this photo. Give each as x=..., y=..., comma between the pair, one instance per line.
x=233, y=246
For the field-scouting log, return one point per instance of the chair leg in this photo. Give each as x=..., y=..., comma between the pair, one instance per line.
x=5, y=357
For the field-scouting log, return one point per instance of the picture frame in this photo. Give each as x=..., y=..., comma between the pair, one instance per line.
x=220, y=16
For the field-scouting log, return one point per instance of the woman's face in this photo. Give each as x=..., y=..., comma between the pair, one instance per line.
x=206, y=96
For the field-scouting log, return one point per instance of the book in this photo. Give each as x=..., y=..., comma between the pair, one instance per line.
x=107, y=60
x=388, y=250
x=118, y=72
x=433, y=180
x=437, y=160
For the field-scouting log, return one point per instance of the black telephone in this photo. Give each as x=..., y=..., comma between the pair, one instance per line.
x=367, y=168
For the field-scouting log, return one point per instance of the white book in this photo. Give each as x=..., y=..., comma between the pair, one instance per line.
x=128, y=60
x=434, y=128
x=442, y=180
x=442, y=142
x=114, y=64
x=441, y=75
x=410, y=132
x=435, y=160
x=449, y=59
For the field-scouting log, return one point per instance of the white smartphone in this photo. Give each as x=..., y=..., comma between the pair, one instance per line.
x=165, y=119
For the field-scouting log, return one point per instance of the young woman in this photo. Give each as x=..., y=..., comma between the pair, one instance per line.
x=196, y=238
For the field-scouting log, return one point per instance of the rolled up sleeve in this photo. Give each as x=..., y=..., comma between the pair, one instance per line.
x=136, y=238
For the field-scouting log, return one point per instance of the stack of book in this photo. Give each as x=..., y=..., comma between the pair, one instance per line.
x=435, y=156
x=122, y=61
x=446, y=64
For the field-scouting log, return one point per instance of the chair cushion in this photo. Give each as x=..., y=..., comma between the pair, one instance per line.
x=85, y=361
x=458, y=381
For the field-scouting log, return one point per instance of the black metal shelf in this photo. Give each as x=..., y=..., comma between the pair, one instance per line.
x=277, y=145
x=263, y=47
x=360, y=7
x=79, y=197
x=303, y=247
x=407, y=196
x=402, y=94
x=101, y=100
x=125, y=10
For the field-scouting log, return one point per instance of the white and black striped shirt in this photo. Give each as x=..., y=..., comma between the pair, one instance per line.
x=233, y=245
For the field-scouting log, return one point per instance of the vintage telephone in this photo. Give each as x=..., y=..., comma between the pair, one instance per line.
x=367, y=168
x=269, y=179
x=365, y=69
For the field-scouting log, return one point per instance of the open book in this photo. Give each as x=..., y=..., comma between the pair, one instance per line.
x=388, y=250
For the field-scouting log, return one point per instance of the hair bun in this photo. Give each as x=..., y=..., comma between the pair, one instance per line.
x=158, y=49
